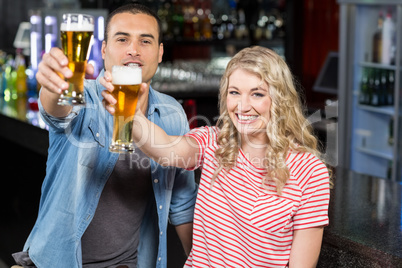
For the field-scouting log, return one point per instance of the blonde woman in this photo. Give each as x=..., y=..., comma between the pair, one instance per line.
x=264, y=192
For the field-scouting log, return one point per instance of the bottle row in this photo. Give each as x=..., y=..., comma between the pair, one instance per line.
x=18, y=87
x=377, y=87
x=384, y=39
x=209, y=20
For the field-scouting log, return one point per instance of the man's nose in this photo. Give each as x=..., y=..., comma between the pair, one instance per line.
x=133, y=51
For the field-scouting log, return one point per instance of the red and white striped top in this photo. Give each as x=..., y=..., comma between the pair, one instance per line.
x=238, y=223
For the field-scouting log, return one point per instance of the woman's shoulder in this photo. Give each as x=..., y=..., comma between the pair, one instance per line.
x=302, y=164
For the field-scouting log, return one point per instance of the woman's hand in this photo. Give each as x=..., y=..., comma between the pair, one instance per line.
x=109, y=101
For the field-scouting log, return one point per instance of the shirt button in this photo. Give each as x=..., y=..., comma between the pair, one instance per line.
x=161, y=233
x=160, y=207
x=156, y=180
x=97, y=135
x=159, y=259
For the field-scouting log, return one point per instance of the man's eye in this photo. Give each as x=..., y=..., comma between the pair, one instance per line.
x=121, y=40
x=146, y=41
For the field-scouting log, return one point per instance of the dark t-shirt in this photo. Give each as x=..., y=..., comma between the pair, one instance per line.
x=112, y=237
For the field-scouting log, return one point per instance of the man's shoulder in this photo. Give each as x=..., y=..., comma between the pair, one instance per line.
x=163, y=98
x=90, y=85
x=164, y=103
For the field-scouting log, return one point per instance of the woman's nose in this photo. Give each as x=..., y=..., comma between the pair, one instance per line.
x=244, y=104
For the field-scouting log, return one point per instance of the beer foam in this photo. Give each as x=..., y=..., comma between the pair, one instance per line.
x=126, y=75
x=77, y=27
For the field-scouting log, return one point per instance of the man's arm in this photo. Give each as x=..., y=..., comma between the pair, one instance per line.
x=306, y=248
x=185, y=233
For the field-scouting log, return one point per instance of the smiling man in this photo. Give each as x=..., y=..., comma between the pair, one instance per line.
x=98, y=209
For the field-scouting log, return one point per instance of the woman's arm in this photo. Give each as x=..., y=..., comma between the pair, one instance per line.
x=178, y=151
x=185, y=234
x=306, y=247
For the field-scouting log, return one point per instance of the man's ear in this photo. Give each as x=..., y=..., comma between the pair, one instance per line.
x=103, y=49
x=160, y=52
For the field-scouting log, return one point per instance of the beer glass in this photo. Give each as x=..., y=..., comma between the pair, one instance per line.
x=126, y=81
x=76, y=32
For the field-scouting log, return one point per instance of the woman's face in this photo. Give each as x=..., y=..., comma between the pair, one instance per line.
x=249, y=104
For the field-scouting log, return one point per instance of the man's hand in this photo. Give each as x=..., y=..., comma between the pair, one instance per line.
x=53, y=65
x=51, y=72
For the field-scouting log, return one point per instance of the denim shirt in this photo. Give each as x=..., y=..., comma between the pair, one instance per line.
x=78, y=166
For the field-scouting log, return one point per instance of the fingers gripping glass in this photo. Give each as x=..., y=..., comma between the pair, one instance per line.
x=76, y=33
x=126, y=81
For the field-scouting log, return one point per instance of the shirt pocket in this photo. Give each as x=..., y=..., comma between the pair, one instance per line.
x=273, y=214
x=90, y=145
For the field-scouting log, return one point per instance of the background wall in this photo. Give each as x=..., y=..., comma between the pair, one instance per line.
x=320, y=35
x=12, y=12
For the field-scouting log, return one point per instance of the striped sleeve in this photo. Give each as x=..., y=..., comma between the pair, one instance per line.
x=201, y=135
x=313, y=209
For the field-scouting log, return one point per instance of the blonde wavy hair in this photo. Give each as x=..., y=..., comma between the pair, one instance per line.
x=287, y=129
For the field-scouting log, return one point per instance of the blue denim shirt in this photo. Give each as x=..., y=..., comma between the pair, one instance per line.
x=78, y=166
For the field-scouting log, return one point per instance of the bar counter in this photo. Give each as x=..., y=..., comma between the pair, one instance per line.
x=365, y=223
x=365, y=213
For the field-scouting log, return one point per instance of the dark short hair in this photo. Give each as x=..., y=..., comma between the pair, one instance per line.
x=134, y=8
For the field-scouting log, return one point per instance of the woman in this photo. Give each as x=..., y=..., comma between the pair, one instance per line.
x=264, y=192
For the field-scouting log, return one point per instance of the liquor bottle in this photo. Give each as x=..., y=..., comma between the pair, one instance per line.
x=164, y=13
x=206, y=26
x=2, y=84
x=388, y=34
x=391, y=131
x=10, y=93
x=261, y=24
x=364, y=87
x=390, y=87
x=383, y=88
x=188, y=27
x=375, y=99
x=241, y=29
x=389, y=169
x=377, y=39
x=177, y=20
x=370, y=87
x=21, y=86
x=21, y=81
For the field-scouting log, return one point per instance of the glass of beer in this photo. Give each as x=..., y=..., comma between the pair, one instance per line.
x=126, y=81
x=76, y=33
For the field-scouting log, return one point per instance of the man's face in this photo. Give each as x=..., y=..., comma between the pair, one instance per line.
x=133, y=39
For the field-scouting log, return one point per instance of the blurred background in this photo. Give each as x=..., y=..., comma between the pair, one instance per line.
x=346, y=59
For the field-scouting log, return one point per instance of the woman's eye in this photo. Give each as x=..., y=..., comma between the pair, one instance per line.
x=233, y=92
x=259, y=95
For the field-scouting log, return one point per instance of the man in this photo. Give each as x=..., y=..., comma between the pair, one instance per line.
x=98, y=209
